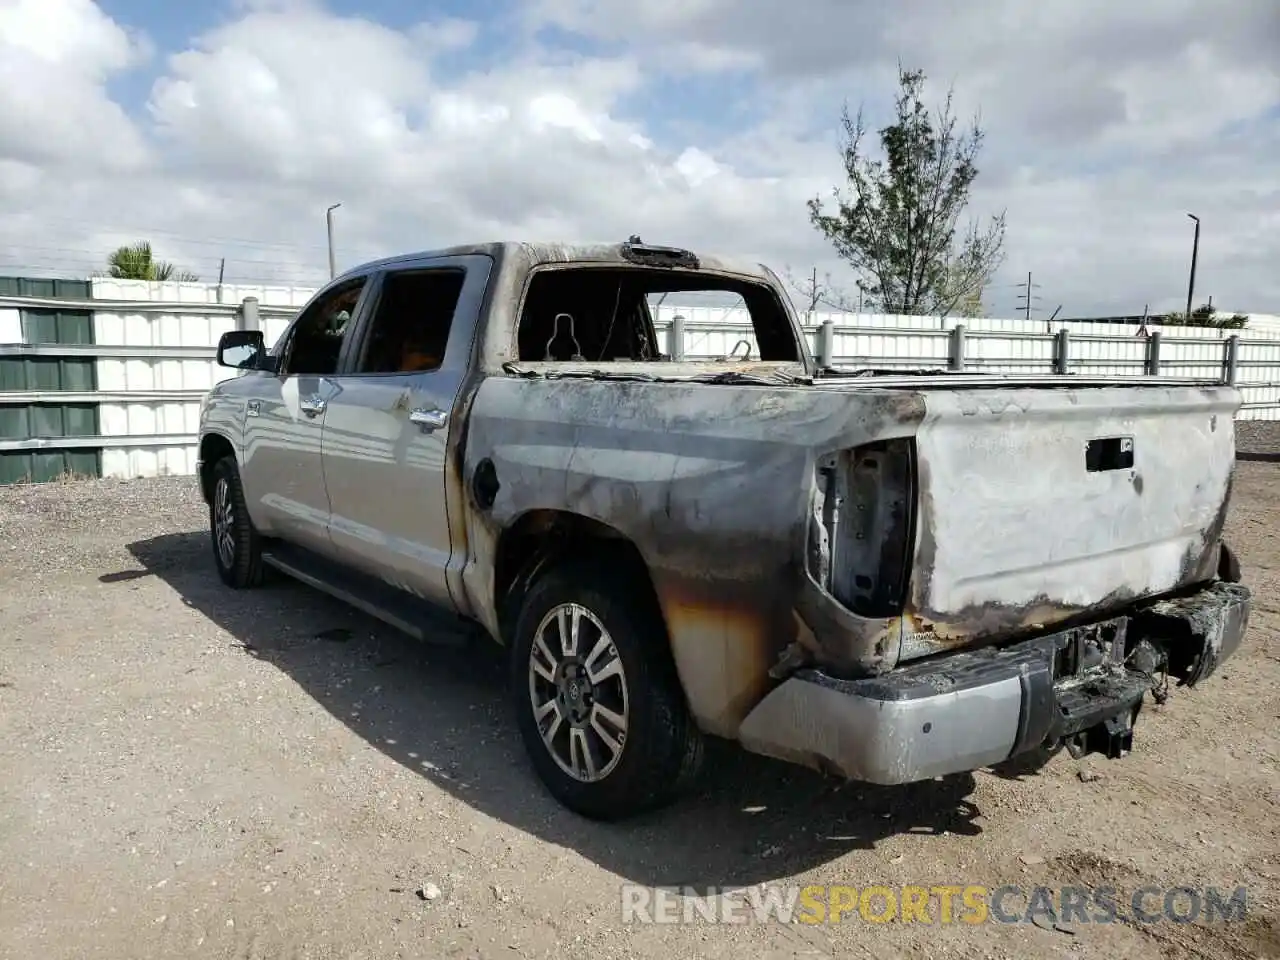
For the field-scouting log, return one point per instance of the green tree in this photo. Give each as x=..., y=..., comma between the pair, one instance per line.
x=971, y=305
x=1205, y=316
x=897, y=219
x=136, y=262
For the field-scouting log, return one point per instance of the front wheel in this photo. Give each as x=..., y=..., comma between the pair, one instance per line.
x=237, y=548
x=598, y=702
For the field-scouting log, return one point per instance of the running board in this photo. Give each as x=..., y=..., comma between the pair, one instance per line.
x=418, y=618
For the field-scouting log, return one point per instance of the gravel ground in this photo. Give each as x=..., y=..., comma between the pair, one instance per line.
x=186, y=771
x=1258, y=440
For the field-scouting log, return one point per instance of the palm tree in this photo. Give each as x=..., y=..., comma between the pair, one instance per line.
x=136, y=262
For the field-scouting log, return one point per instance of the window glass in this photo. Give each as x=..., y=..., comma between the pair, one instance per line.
x=317, y=337
x=411, y=324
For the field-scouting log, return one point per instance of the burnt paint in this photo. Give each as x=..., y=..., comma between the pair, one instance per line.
x=484, y=484
x=711, y=484
x=989, y=622
x=927, y=629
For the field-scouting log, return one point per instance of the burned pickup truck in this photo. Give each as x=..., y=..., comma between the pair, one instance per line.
x=882, y=576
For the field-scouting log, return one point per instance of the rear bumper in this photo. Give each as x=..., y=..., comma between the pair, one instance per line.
x=1081, y=687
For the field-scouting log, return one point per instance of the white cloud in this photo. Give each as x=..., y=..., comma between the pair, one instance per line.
x=294, y=94
x=55, y=57
x=1106, y=124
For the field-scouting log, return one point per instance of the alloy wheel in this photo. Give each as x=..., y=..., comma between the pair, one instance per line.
x=224, y=523
x=578, y=692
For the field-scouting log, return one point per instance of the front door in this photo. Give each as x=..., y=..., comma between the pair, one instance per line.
x=387, y=430
x=284, y=418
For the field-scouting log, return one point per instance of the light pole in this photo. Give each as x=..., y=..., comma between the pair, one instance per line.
x=328, y=216
x=1195, y=250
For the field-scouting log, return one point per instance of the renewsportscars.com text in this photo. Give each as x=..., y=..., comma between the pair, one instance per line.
x=971, y=904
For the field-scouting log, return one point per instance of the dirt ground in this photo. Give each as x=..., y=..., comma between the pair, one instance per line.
x=186, y=771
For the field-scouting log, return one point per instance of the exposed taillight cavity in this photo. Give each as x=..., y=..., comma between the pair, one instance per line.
x=862, y=530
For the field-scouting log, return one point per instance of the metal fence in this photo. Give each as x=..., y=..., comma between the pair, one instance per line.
x=1215, y=356
x=110, y=384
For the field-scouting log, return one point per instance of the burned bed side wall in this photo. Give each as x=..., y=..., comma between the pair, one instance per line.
x=1017, y=532
x=710, y=483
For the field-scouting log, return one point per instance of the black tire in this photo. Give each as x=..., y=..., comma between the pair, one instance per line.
x=243, y=567
x=662, y=750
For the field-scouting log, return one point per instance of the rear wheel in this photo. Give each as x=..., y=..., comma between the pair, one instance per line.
x=599, y=706
x=237, y=548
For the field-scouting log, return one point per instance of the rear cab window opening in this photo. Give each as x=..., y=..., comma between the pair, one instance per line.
x=599, y=315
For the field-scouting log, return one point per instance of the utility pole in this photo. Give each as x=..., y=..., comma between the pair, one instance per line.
x=1195, y=251
x=1029, y=295
x=328, y=216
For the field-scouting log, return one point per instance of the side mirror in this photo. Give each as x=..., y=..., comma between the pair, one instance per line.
x=242, y=350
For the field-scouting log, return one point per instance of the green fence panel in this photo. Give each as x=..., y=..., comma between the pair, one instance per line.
x=80, y=420
x=79, y=374
x=47, y=420
x=27, y=421
x=47, y=373
x=13, y=374
x=15, y=422
x=54, y=288
x=15, y=466
x=57, y=326
x=41, y=466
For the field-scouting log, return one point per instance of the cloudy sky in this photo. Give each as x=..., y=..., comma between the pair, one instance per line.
x=225, y=128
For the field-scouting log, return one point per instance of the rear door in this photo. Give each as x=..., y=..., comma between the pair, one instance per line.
x=389, y=425
x=285, y=414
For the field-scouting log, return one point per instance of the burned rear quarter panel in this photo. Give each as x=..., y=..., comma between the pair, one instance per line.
x=710, y=482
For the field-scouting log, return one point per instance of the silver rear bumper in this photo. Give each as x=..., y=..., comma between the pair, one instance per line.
x=1080, y=687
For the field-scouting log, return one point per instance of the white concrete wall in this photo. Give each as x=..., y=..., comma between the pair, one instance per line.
x=994, y=345
x=156, y=399
x=166, y=427
x=149, y=460
x=1010, y=345
x=144, y=418
x=109, y=288
x=10, y=326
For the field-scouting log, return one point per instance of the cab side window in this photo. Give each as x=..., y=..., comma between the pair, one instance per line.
x=410, y=328
x=317, y=337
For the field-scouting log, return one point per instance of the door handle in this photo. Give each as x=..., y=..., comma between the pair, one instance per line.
x=312, y=406
x=429, y=420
